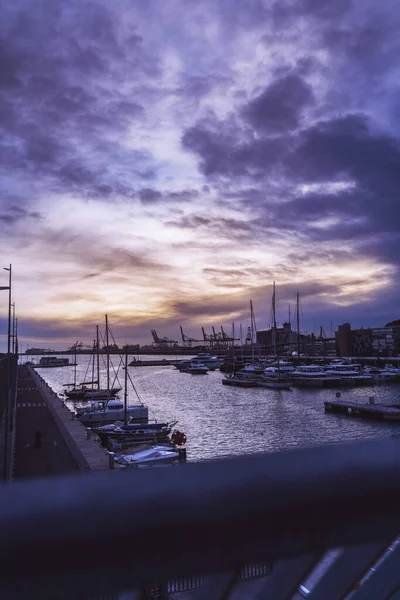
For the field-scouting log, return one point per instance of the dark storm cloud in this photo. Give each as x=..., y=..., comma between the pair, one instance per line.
x=17, y=213
x=278, y=108
x=223, y=152
x=64, y=104
x=220, y=227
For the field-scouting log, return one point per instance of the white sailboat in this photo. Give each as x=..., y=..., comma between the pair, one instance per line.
x=274, y=379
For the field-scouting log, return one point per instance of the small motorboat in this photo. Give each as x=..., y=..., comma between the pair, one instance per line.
x=196, y=368
x=154, y=456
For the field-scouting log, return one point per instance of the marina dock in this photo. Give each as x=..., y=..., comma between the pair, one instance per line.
x=332, y=382
x=379, y=412
x=153, y=363
x=65, y=446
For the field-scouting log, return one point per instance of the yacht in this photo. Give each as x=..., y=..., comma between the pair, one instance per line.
x=341, y=370
x=85, y=393
x=210, y=361
x=47, y=362
x=196, y=368
x=108, y=411
x=284, y=366
x=390, y=368
x=251, y=371
x=135, y=433
x=384, y=374
x=312, y=371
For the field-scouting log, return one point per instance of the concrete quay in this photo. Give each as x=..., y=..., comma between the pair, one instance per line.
x=87, y=452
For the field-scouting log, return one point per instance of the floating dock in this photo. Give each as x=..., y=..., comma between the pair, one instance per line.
x=332, y=382
x=153, y=363
x=379, y=412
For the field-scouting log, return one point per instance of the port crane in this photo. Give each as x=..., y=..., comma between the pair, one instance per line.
x=162, y=342
x=187, y=340
x=217, y=339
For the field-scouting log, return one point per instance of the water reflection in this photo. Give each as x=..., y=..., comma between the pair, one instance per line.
x=223, y=421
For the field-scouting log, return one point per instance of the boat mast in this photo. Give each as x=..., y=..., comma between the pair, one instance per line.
x=98, y=357
x=290, y=333
x=75, y=366
x=93, y=354
x=274, y=317
x=298, y=323
x=233, y=348
x=126, y=387
x=108, y=356
x=252, y=330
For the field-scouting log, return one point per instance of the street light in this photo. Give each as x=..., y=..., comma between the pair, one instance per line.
x=7, y=423
x=9, y=307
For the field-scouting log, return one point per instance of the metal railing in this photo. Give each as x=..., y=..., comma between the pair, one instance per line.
x=86, y=537
x=8, y=393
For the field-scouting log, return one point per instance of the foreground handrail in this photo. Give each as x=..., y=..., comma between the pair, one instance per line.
x=116, y=530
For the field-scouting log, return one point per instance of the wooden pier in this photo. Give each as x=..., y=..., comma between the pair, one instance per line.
x=379, y=412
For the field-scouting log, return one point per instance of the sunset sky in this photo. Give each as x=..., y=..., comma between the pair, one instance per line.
x=165, y=162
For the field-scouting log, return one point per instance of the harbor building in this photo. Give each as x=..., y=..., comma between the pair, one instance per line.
x=370, y=341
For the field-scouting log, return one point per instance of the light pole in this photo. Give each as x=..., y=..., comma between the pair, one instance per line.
x=13, y=328
x=9, y=308
x=9, y=374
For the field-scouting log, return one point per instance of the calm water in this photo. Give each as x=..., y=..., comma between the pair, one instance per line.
x=221, y=421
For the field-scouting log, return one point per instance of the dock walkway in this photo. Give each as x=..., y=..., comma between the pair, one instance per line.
x=54, y=457
x=65, y=446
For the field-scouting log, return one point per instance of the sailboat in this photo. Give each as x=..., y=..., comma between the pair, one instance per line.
x=107, y=410
x=275, y=379
x=82, y=391
x=244, y=377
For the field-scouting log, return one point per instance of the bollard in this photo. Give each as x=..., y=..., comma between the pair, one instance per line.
x=88, y=433
x=111, y=460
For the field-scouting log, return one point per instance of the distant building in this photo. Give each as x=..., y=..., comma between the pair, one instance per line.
x=370, y=341
x=343, y=340
x=37, y=351
x=131, y=348
x=110, y=348
x=287, y=340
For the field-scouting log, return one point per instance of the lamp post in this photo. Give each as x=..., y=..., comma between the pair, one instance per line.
x=9, y=307
x=9, y=374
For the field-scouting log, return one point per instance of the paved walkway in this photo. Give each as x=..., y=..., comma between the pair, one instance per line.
x=54, y=457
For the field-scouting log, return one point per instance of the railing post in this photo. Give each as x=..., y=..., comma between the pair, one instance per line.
x=111, y=460
x=88, y=433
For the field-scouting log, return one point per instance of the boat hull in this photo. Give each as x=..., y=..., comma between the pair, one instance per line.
x=138, y=414
x=239, y=383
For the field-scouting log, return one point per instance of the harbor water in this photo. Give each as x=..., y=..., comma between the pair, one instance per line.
x=224, y=421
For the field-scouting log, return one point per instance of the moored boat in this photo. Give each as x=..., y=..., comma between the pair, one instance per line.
x=135, y=433
x=102, y=412
x=196, y=368
x=153, y=456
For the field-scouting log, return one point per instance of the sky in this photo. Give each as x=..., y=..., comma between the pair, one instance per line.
x=166, y=162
